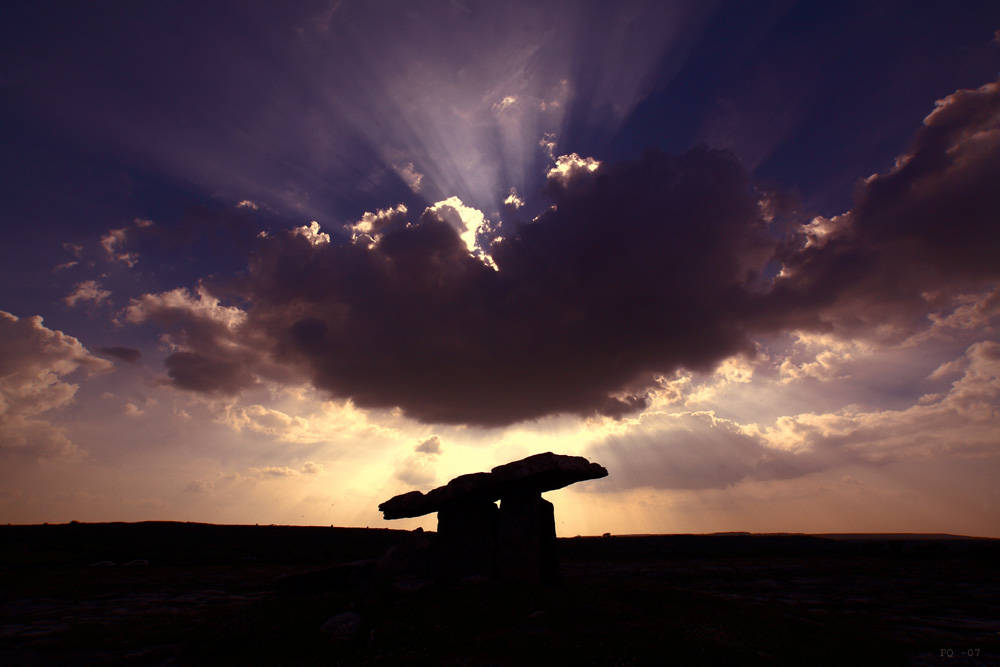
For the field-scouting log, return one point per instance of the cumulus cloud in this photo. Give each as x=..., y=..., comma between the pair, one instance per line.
x=212, y=352
x=371, y=225
x=513, y=201
x=115, y=241
x=637, y=270
x=699, y=450
x=961, y=422
x=571, y=169
x=321, y=422
x=260, y=419
x=312, y=468
x=133, y=410
x=34, y=362
x=410, y=176
x=822, y=357
x=88, y=290
x=973, y=312
x=548, y=145
x=431, y=445
x=467, y=221
x=415, y=471
x=312, y=233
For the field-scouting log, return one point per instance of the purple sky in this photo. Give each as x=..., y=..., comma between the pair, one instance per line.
x=275, y=264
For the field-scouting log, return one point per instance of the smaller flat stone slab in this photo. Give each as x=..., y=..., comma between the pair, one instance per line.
x=535, y=474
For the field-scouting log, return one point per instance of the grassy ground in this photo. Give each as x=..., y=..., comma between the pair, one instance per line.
x=211, y=598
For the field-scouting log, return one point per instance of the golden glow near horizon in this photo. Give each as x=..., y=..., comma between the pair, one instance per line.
x=329, y=465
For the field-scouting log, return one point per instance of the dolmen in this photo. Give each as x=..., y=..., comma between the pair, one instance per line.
x=513, y=542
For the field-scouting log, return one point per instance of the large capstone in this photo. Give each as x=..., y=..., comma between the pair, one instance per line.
x=537, y=474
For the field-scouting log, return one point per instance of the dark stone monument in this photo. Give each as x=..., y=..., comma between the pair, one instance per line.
x=515, y=542
x=526, y=539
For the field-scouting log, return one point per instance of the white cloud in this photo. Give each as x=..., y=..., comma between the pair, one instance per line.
x=466, y=220
x=825, y=366
x=570, y=168
x=369, y=227
x=548, y=145
x=506, y=103
x=821, y=230
x=133, y=410
x=319, y=421
x=312, y=468
x=818, y=356
x=961, y=422
x=972, y=312
x=172, y=307
x=115, y=240
x=312, y=234
x=415, y=470
x=701, y=450
x=513, y=201
x=259, y=419
x=410, y=176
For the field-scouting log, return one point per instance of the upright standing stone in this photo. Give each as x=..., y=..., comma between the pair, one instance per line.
x=526, y=540
x=466, y=541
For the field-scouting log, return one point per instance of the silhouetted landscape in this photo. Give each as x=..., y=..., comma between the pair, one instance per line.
x=184, y=593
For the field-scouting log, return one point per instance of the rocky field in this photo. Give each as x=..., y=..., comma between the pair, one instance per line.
x=174, y=593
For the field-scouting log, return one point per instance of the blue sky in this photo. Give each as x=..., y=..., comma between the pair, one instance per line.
x=269, y=263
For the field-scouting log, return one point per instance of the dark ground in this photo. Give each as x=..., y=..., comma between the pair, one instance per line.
x=244, y=595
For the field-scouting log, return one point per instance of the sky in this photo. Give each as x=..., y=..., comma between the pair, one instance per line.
x=278, y=262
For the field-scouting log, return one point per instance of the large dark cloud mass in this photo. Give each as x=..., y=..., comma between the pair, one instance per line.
x=638, y=269
x=633, y=272
x=919, y=234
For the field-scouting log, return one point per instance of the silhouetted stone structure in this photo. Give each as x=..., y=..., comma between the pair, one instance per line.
x=515, y=542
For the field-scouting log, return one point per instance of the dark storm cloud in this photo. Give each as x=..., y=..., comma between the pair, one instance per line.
x=127, y=354
x=919, y=234
x=639, y=269
x=630, y=275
